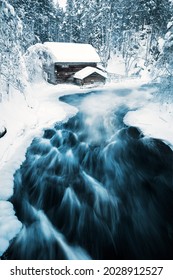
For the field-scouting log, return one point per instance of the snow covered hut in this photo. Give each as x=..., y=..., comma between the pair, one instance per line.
x=68, y=59
x=90, y=75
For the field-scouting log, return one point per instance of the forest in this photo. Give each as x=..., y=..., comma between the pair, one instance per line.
x=136, y=30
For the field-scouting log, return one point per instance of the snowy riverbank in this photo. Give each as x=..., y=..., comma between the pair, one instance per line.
x=155, y=120
x=23, y=123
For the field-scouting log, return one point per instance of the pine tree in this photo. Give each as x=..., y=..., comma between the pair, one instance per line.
x=41, y=17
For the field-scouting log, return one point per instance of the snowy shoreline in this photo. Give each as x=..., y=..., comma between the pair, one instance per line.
x=154, y=121
x=25, y=123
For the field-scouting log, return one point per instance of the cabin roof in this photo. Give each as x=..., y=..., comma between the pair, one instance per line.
x=87, y=71
x=72, y=52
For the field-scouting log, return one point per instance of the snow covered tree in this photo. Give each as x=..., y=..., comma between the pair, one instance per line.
x=75, y=22
x=35, y=58
x=12, y=67
x=100, y=28
x=41, y=17
x=163, y=71
x=160, y=14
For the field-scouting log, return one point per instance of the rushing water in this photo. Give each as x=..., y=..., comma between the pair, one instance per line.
x=93, y=188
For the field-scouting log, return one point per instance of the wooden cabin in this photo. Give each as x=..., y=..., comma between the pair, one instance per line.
x=68, y=59
x=90, y=75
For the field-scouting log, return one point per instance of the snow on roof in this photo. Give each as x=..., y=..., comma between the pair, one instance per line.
x=87, y=71
x=72, y=52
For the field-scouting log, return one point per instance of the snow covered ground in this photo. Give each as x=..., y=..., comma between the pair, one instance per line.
x=117, y=68
x=25, y=118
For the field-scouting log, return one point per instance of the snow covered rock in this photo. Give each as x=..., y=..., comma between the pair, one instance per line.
x=3, y=131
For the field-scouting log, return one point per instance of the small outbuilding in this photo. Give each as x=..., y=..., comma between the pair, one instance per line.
x=68, y=59
x=90, y=75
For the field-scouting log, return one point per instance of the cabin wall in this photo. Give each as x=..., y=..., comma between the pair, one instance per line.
x=49, y=71
x=64, y=72
x=94, y=78
x=78, y=82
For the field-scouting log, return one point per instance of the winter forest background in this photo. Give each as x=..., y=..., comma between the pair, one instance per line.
x=140, y=32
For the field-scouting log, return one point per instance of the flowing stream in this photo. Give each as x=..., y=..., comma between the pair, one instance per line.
x=93, y=188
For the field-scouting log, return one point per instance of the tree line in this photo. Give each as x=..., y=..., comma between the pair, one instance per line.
x=101, y=23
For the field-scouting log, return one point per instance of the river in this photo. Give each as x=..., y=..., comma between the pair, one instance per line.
x=93, y=188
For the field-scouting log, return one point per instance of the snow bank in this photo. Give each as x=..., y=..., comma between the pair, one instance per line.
x=154, y=120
